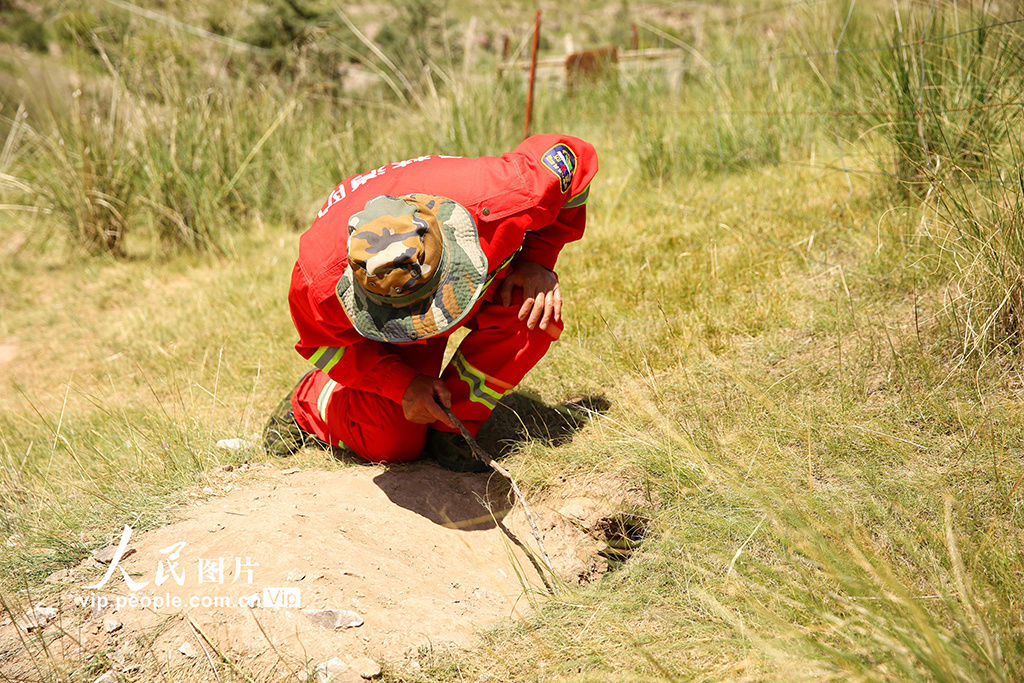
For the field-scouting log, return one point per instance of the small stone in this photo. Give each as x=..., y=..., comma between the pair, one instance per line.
x=105, y=555
x=58, y=576
x=334, y=665
x=333, y=618
x=13, y=245
x=366, y=667
x=224, y=468
x=335, y=670
x=37, y=618
x=188, y=650
x=296, y=575
x=291, y=470
x=108, y=677
x=234, y=444
x=110, y=624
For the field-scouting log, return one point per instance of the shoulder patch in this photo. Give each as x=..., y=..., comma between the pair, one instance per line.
x=561, y=161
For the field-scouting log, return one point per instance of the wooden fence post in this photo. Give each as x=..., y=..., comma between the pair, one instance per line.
x=533, y=75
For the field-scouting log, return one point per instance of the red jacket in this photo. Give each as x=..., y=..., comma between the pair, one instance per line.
x=526, y=198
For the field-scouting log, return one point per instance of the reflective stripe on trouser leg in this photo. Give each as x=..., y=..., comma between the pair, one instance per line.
x=493, y=358
x=310, y=404
x=367, y=423
x=325, y=396
x=479, y=391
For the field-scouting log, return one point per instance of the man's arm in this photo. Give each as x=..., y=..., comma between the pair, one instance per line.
x=560, y=169
x=328, y=341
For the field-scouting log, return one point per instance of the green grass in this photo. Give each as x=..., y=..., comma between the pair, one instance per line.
x=811, y=375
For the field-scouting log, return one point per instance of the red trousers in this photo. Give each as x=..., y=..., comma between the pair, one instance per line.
x=496, y=354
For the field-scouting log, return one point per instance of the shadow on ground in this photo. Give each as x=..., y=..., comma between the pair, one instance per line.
x=457, y=500
x=468, y=501
x=521, y=417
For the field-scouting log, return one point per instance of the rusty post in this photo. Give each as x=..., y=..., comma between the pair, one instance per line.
x=634, y=43
x=533, y=75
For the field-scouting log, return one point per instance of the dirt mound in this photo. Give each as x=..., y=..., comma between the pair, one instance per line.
x=290, y=570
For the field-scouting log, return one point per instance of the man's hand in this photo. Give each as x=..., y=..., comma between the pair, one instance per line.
x=542, y=298
x=420, y=401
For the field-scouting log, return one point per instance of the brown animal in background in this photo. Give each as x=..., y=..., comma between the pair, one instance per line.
x=590, y=65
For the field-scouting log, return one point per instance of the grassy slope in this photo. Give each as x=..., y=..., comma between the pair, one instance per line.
x=832, y=492
x=775, y=391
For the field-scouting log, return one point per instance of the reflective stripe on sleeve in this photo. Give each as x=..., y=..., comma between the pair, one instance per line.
x=326, y=357
x=578, y=200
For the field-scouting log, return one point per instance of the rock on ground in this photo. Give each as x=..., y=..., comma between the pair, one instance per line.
x=105, y=555
x=334, y=618
x=366, y=668
x=37, y=618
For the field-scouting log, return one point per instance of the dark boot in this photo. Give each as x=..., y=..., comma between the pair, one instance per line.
x=452, y=452
x=283, y=436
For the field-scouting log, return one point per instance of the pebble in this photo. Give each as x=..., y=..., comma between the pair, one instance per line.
x=105, y=555
x=334, y=665
x=333, y=618
x=59, y=576
x=188, y=650
x=335, y=670
x=234, y=444
x=12, y=247
x=37, y=618
x=110, y=624
x=108, y=677
x=366, y=667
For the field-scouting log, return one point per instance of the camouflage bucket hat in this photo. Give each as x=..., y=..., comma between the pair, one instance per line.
x=415, y=268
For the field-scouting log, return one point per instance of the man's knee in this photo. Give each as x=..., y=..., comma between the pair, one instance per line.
x=401, y=444
x=553, y=331
x=539, y=335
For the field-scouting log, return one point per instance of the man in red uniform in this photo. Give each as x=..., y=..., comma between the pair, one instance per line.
x=400, y=257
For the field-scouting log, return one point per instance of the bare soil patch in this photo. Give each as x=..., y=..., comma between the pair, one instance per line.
x=421, y=558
